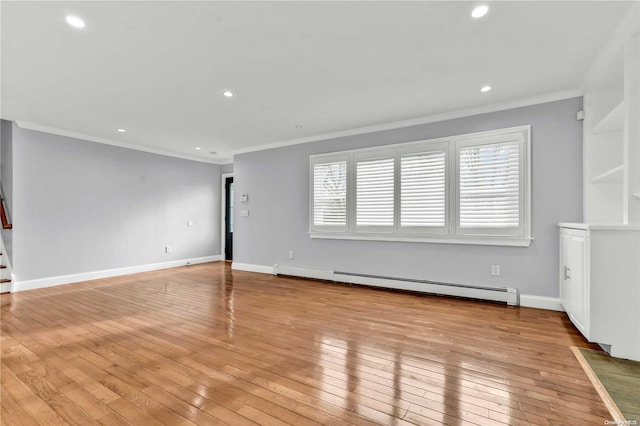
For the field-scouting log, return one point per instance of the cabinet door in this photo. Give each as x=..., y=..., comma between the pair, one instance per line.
x=563, y=279
x=577, y=283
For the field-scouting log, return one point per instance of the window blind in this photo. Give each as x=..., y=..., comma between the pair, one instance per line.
x=374, y=192
x=422, y=189
x=489, y=186
x=330, y=193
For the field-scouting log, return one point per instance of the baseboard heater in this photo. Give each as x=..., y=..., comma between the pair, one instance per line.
x=510, y=296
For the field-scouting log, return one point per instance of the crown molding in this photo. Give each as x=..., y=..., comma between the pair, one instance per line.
x=135, y=147
x=550, y=97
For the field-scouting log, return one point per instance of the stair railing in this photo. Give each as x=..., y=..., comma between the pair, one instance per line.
x=6, y=222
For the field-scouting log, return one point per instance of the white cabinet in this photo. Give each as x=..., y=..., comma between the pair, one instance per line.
x=599, y=279
x=574, y=278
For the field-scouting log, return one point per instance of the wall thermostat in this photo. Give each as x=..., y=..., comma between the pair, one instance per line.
x=244, y=198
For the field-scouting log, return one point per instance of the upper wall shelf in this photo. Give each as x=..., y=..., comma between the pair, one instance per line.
x=612, y=122
x=613, y=175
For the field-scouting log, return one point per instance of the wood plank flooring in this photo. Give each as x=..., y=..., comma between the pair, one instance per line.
x=620, y=379
x=207, y=345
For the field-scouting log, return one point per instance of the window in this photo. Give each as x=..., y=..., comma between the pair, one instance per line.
x=375, y=198
x=423, y=190
x=468, y=189
x=490, y=186
x=330, y=195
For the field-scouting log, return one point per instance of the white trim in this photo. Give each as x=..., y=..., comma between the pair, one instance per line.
x=318, y=274
x=540, y=99
x=510, y=297
x=541, y=302
x=3, y=254
x=507, y=295
x=223, y=208
x=135, y=147
x=261, y=269
x=107, y=273
x=600, y=226
x=446, y=290
x=485, y=240
x=551, y=97
x=6, y=287
x=519, y=237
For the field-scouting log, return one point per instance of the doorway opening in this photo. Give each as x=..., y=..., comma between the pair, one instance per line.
x=228, y=218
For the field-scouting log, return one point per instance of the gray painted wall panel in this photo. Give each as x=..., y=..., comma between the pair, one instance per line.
x=82, y=206
x=277, y=182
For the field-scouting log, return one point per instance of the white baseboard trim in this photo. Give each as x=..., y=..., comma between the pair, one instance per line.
x=529, y=301
x=261, y=269
x=318, y=274
x=507, y=295
x=541, y=302
x=107, y=273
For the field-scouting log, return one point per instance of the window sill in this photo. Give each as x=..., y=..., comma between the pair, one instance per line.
x=484, y=240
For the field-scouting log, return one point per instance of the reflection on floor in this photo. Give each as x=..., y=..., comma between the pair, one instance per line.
x=205, y=345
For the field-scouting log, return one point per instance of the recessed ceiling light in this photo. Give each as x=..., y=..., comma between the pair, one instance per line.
x=227, y=94
x=121, y=130
x=198, y=148
x=74, y=21
x=485, y=89
x=479, y=11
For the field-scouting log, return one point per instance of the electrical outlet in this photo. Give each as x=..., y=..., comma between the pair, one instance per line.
x=167, y=249
x=495, y=270
x=290, y=254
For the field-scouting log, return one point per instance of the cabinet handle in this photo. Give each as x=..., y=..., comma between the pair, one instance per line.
x=567, y=273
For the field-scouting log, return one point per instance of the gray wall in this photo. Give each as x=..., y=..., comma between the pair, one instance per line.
x=277, y=182
x=226, y=168
x=6, y=180
x=80, y=206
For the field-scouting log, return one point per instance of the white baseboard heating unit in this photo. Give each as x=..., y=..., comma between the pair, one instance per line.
x=510, y=296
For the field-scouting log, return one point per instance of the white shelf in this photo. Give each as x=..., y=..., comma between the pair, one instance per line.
x=613, y=175
x=612, y=122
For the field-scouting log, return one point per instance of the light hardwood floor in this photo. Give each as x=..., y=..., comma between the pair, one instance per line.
x=206, y=345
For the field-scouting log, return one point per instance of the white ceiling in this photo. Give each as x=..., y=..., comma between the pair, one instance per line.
x=299, y=69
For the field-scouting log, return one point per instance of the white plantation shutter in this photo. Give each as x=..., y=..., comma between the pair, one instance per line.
x=423, y=189
x=466, y=189
x=375, y=192
x=330, y=194
x=489, y=185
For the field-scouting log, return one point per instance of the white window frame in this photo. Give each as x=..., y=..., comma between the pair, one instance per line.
x=418, y=148
x=329, y=229
x=378, y=154
x=494, y=138
x=451, y=233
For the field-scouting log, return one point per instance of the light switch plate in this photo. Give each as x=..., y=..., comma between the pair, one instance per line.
x=244, y=198
x=244, y=213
